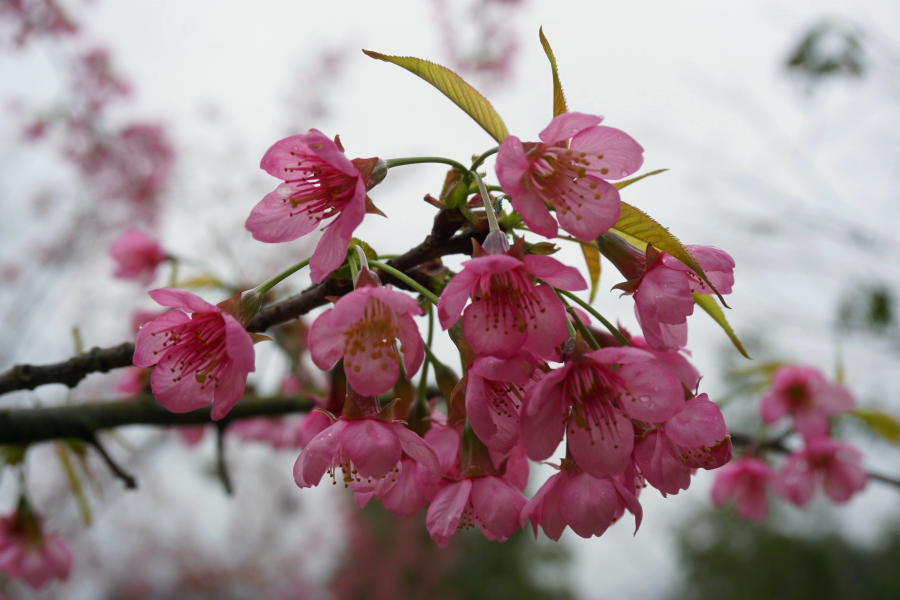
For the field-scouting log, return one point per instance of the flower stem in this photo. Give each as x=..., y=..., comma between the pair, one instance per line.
x=423, y=381
x=418, y=160
x=590, y=309
x=484, y=157
x=405, y=279
x=268, y=285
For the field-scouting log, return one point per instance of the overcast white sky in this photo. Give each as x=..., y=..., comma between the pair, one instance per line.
x=756, y=165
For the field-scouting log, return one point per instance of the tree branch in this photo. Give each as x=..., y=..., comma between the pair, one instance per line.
x=441, y=242
x=83, y=421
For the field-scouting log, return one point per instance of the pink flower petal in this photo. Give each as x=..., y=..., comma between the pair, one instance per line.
x=587, y=504
x=228, y=391
x=606, y=452
x=418, y=449
x=542, y=417
x=517, y=369
x=325, y=344
x=178, y=394
x=411, y=343
x=276, y=219
x=567, y=125
x=149, y=348
x=372, y=446
x=238, y=345
x=497, y=505
x=191, y=303
x=404, y=499
x=492, y=332
x=622, y=156
x=553, y=272
x=318, y=456
x=653, y=394
x=454, y=297
x=549, y=330
x=592, y=206
x=700, y=423
x=664, y=295
x=445, y=511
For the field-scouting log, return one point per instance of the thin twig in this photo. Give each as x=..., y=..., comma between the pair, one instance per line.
x=118, y=471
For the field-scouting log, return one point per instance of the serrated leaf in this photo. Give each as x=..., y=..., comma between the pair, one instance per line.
x=708, y=303
x=559, y=98
x=592, y=259
x=637, y=224
x=626, y=182
x=883, y=424
x=454, y=87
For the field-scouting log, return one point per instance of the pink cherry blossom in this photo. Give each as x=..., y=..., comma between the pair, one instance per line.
x=568, y=176
x=403, y=498
x=363, y=328
x=746, y=480
x=446, y=444
x=494, y=393
x=30, y=554
x=201, y=358
x=836, y=465
x=132, y=381
x=674, y=362
x=586, y=504
x=489, y=502
x=695, y=438
x=508, y=311
x=662, y=295
x=367, y=450
x=603, y=390
x=137, y=255
x=319, y=183
x=515, y=465
x=804, y=393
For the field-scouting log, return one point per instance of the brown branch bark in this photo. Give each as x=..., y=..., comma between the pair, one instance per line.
x=83, y=421
x=441, y=242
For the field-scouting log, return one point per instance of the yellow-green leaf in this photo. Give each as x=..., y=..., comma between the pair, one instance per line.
x=637, y=224
x=559, y=98
x=454, y=87
x=708, y=303
x=884, y=425
x=626, y=182
x=592, y=259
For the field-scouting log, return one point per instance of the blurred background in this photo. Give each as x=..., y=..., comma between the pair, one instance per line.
x=778, y=122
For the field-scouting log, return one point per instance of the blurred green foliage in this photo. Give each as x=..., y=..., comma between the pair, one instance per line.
x=830, y=49
x=725, y=558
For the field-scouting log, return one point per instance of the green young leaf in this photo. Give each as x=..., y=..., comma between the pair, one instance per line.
x=592, y=259
x=883, y=424
x=559, y=98
x=708, y=303
x=636, y=224
x=626, y=182
x=454, y=87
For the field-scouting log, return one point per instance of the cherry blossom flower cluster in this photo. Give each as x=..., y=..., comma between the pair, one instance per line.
x=629, y=414
x=802, y=395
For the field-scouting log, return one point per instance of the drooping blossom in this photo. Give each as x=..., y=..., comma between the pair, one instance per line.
x=319, y=182
x=746, y=480
x=695, y=438
x=137, y=256
x=572, y=498
x=445, y=441
x=201, y=358
x=836, y=465
x=403, y=498
x=567, y=170
x=29, y=553
x=804, y=393
x=508, y=311
x=661, y=286
x=603, y=390
x=367, y=445
x=489, y=502
x=363, y=328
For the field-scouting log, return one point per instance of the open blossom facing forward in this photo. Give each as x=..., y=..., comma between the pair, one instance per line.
x=319, y=183
x=363, y=328
x=603, y=390
x=201, y=358
x=746, y=480
x=30, y=554
x=804, y=393
x=137, y=256
x=508, y=311
x=568, y=177
x=836, y=465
